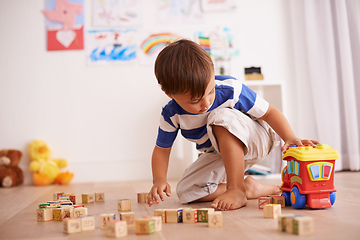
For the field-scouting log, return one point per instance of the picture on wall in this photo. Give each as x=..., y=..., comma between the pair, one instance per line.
x=119, y=13
x=218, y=5
x=111, y=46
x=64, y=20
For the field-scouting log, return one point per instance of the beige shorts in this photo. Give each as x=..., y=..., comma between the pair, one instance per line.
x=202, y=177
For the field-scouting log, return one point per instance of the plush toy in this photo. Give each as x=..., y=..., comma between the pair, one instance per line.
x=10, y=173
x=45, y=169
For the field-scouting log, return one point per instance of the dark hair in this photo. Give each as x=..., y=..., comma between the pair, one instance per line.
x=184, y=66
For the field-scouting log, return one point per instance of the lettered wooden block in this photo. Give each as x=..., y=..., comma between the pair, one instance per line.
x=116, y=228
x=129, y=217
x=142, y=197
x=76, y=199
x=105, y=218
x=203, y=214
x=59, y=214
x=174, y=215
x=72, y=225
x=158, y=222
x=57, y=195
x=215, y=219
x=124, y=205
x=278, y=200
x=304, y=226
x=272, y=210
x=282, y=221
x=88, y=198
x=162, y=213
x=289, y=222
x=80, y=211
x=190, y=215
x=87, y=223
x=144, y=226
x=99, y=197
x=44, y=214
x=262, y=201
x=69, y=211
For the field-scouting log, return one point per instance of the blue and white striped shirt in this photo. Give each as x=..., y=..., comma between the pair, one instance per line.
x=229, y=93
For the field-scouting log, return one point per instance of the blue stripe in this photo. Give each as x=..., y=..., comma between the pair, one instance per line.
x=195, y=133
x=246, y=99
x=165, y=139
x=206, y=144
x=223, y=77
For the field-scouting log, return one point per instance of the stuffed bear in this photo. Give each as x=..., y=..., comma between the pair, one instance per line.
x=10, y=173
x=46, y=170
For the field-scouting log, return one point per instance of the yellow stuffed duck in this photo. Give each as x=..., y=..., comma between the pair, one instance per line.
x=46, y=170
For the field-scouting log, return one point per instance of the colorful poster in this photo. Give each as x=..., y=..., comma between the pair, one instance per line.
x=111, y=46
x=64, y=24
x=179, y=12
x=119, y=13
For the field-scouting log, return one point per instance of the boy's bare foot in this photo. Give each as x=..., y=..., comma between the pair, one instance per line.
x=230, y=200
x=254, y=189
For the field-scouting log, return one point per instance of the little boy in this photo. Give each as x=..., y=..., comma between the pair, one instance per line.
x=228, y=122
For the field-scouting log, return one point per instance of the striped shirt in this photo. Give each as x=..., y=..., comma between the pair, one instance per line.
x=229, y=93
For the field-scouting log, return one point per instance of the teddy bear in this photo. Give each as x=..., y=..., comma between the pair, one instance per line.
x=46, y=170
x=10, y=173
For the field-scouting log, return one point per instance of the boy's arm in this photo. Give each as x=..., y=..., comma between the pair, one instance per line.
x=282, y=127
x=159, y=163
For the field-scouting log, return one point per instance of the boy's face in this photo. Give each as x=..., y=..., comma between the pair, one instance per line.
x=197, y=105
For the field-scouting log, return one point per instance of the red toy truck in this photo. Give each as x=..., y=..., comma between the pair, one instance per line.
x=308, y=178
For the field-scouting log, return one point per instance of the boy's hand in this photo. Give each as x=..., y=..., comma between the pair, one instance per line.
x=157, y=192
x=298, y=141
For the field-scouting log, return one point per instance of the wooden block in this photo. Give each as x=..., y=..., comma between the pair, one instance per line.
x=262, y=201
x=76, y=199
x=88, y=198
x=99, y=197
x=80, y=211
x=54, y=203
x=142, y=197
x=174, y=215
x=72, y=225
x=289, y=222
x=278, y=200
x=57, y=195
x=144, y=226
x=304, y=225
x=124, y=205
x=129, y=217
x=158, y=222
x=116, y=228
x=65, y=203
x=44, y=205
x=69, y=211
x=59, y=214
x=87, y=223
x=215, y=219
x=162, y=213
x=80, y=205
x=105, y=218
x=272, y=210
x=44, y=214
x=282, y=221
x=190, y=215
x=202, y=214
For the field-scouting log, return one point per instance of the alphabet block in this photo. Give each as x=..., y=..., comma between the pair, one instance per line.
x=129, y=217
x=272, y=210
x=303, y=225
x=145, y=226
x=158, y=222
x=87, y=223
x=162, y=213
x=59, y=214
x=282, y=221
x=72, y=225
x=142, y=197
x=202, y=214
x=105, y=218
x=190, y=215
x=278, y=200
x=44, y=214
x=174, y=215
x=88, y=198
x=262, y=201
x=116, y=228
x=99, y=197
x=215, y=219
x=80, y=211
x=124, y=205
x=76, y=199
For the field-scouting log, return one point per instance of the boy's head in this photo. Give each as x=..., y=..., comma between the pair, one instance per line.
x=184, y=67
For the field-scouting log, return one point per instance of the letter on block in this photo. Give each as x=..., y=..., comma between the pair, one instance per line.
x=80, y=211
x=88, y=198
x=278, y=200
x=142, y=197
x=303, y=225
x=190, y=215
x=203, y=214
x=124, y=205
x=87, y=223
x=44, y=214
x=72, y=225
x=272, y=210
x=262, y=201
x=129, y=217
x=116, y=228
x=145, y=226
x=105, y=218
x=99, y=197
x=174, y=215
x=76, y=199
x=215, y=219
x=162, y=213
x=59, y=214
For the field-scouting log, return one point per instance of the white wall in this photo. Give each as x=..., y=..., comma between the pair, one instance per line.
x=104, y=120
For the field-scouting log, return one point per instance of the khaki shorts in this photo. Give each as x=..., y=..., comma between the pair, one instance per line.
x=203, y=176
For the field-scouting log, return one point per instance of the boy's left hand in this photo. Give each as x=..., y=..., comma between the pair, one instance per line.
x=298, y=141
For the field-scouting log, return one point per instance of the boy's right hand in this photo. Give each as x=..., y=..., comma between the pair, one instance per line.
x=157, y=192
